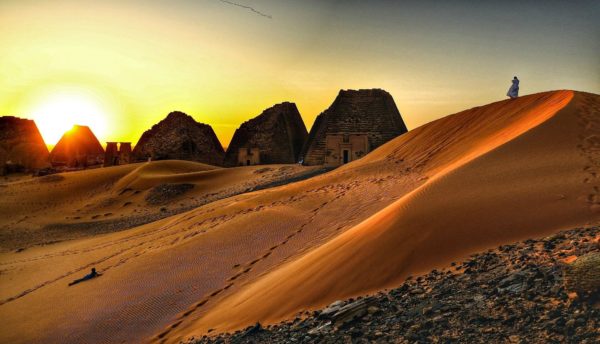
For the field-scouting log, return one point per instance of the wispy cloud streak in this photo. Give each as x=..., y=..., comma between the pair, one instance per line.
x=248, y=8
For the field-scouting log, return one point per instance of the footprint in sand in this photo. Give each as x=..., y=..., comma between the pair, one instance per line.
x=234, y=277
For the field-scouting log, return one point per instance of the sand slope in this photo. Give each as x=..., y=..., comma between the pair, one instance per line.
x=169, y=271
x=531, y=178
x=492, y=174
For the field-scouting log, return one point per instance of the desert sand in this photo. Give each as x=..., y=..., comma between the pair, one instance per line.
x=514, y=293
x=528, y=177
x=35, y=211
x=476, y=179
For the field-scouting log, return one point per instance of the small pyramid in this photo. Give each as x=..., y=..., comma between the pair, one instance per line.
x=180, y=137
x=78, y=147
x=276, y=136
x=21, y=145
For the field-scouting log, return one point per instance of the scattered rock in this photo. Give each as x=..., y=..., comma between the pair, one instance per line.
x=164, y=193
x=513, y=294
x=263, y=170
x=253, y=330
x=350, y=312
x=372, y=309
x=331, y=309
x=583, y=275
x=326, y=327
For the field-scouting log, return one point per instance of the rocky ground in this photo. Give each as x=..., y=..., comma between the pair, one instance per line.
x=513, y=294
x=163, y=193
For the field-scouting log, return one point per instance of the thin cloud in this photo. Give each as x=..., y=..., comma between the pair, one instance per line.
x=248, y=8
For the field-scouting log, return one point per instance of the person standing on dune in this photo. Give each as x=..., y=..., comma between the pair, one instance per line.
x=513, y=91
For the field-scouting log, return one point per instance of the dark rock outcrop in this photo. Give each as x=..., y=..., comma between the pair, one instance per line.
x=78, y=147
x=22, y=147
x=356, y=123
x=583, y=276
x=515, y=293
x=180, y=137
x=276, y=135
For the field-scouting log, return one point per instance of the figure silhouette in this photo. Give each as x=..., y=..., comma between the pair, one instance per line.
x=92, y=274
x=513, y=91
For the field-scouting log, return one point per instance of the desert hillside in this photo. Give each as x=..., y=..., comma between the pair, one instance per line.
x=522, y=292
x=473, y=180
x=507, y=171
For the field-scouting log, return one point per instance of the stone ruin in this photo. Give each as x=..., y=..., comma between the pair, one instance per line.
x=180, y=137
x=356, y=123
x=22, y=148
x=125, y=153
x=117, y=155
x=246, y=156
x=77, y=148
x=276, y=136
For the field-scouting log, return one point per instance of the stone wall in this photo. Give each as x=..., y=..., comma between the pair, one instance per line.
x=111, y=154
x=341, y=149
x=117, y=155
x=124, y=153
x=248, y=156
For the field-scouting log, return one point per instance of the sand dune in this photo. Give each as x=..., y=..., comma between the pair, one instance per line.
x=164, y=272
x=84, y=203
x=528, y=179
x=488, y=175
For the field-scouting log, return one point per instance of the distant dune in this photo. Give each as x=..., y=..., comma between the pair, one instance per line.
x=65, y=206
x=486, y=176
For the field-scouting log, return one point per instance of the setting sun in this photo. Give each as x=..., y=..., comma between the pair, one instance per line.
x=56, y=113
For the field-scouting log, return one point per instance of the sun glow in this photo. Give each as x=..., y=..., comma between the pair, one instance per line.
x=56, y=113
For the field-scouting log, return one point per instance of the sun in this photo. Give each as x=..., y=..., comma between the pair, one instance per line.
x=56, y=113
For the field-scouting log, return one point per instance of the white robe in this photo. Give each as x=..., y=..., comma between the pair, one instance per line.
x=513, y=91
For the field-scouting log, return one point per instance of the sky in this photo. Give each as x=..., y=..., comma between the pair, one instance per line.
x=122, y=66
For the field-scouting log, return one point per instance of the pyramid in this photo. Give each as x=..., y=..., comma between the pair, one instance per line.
x=22, y=147
x=276, y=136
x=180, y=137
x=78, y=147
x=356, y=123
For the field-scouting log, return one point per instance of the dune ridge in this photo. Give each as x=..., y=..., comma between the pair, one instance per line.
x=528, y=179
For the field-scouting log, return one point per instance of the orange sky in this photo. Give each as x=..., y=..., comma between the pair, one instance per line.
x=121, y=68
